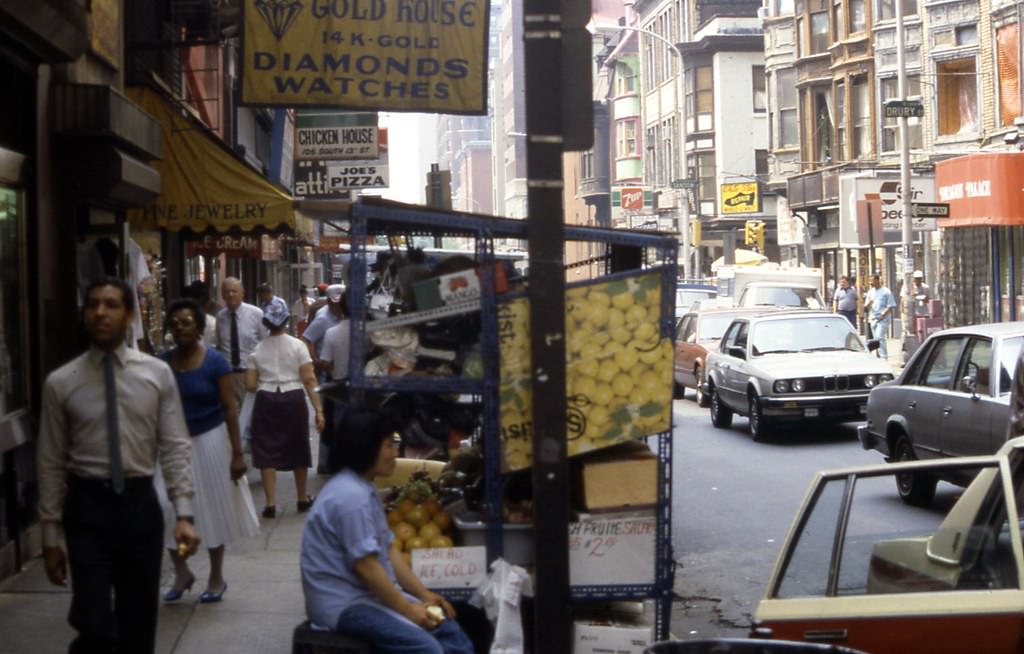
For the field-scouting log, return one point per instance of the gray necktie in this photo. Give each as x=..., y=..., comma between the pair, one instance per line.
x=113, y=432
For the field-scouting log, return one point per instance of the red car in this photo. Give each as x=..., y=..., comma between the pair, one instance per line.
x=696, y=333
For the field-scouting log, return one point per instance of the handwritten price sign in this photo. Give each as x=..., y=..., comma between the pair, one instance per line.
x=612, y=550
x=450, y=567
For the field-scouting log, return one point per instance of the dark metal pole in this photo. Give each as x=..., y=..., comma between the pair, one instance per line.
x=546, y=238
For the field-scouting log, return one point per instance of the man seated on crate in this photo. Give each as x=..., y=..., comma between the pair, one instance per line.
x=353, y=581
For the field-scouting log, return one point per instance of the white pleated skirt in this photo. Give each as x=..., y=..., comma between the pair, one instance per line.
x=223, y=511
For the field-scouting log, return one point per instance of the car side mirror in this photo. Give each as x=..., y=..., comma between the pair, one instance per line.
x=737, y=351
x=874, y=344
x=969, y=385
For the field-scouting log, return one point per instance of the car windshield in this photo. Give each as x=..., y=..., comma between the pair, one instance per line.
x=785, y=297
x=803, y=334
x=685, y=297
x=712, y=327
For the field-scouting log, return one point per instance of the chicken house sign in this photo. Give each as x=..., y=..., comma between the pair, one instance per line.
x=396, y=55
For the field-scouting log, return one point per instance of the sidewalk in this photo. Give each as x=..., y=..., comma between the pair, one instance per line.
x=261, y=607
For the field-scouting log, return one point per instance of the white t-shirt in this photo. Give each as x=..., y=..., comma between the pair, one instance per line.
x=336, y=347
x=278, y=359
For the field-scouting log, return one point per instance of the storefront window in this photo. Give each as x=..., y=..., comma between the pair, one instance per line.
x=12, y=353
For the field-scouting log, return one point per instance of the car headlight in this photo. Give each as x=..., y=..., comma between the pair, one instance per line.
x=781, y=386
x=798, y=386
x=870, y=380
x=884, y=378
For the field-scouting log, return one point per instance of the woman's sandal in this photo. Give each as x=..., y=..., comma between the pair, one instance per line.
x=270, y=511
x=304, y=505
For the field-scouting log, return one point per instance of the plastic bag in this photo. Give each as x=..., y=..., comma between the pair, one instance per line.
x=245, y=509
x=499, y=596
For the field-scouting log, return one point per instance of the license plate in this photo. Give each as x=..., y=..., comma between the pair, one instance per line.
x=810, y=413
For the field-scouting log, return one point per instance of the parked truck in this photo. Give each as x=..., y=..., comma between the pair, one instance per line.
x=733, y=279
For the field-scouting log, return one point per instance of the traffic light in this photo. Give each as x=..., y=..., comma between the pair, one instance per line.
x=748, y=232
x=757, y=231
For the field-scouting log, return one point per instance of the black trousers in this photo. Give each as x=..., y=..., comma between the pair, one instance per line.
x=115, y=543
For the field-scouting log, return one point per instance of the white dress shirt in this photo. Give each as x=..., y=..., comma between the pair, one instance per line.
x=278, y=359
x=73, y=429
x=250, y=332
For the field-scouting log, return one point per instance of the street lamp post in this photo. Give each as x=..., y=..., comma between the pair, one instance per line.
x=910, y=341
x=684, y=200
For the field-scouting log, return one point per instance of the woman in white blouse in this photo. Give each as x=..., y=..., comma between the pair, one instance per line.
x=281, y=374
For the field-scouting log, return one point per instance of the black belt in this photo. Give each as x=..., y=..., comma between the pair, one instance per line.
x=95, y=483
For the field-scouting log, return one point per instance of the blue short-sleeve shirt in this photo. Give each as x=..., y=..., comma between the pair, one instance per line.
x=346, y=524
x=200, y=395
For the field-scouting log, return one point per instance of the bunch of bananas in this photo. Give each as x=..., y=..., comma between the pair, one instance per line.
x=619, y=368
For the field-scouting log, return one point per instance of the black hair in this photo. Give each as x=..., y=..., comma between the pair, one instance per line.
x=192, y=305
x=127, y=293
x=359, y=445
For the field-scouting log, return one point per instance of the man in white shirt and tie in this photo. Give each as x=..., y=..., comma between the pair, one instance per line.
x=108, y=417
x=239, y=329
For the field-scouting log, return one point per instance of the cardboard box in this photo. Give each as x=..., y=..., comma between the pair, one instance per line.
x=602, y=636
x=612, y=549
x=621, y=477
x=455, y=287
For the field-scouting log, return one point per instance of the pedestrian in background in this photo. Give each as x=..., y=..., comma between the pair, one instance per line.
x=313, y=336
x=198, y=291
x=880, y=304
x=299, y=310
x=281, y=369
x=239, y=330
x=266, y=296
x=921, y=294
x=107, y=417
x=844, y=300
x=207, y=393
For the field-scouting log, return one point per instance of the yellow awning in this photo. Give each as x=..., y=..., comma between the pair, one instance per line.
x=203, y=184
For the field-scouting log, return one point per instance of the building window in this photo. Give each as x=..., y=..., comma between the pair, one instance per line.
x=760, y=94
x=761, y=165
x=887, y=9
x=860, y=113
x=821, y=103
x=819, y=37
x=625, y=138
x=783, y=7
x=702, y=167
x=856, y=14
x=888, y=89
x=13, y=362
x=650, y=158
x=837, y=20
x=957, y=96
x=1008, y=73
x=700, y=97
x=840, y=105
x=625, y=80
x=789, y=132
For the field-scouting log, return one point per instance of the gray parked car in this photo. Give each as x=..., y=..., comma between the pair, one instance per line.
x=796, y=365
x=952, y=399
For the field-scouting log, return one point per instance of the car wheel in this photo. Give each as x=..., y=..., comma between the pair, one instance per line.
x=678, y=391
x=702, y=398
x=760, y=427
x=914, y=488
x=721, y=415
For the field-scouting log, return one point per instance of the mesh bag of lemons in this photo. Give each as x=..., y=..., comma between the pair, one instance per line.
x=618, y=367
x=416, y=517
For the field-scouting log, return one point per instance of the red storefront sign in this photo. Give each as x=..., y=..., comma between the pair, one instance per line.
x=631, y=198
x=210, y=245
x=982, y=189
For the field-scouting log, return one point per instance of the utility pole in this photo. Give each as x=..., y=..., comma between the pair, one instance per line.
x=910, y=342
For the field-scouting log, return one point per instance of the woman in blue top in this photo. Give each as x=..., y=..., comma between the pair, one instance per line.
x=204, y=382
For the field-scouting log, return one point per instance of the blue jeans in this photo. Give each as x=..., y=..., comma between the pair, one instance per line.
x=390, y=634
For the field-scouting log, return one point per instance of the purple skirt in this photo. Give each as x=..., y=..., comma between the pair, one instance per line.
x=280, y=430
